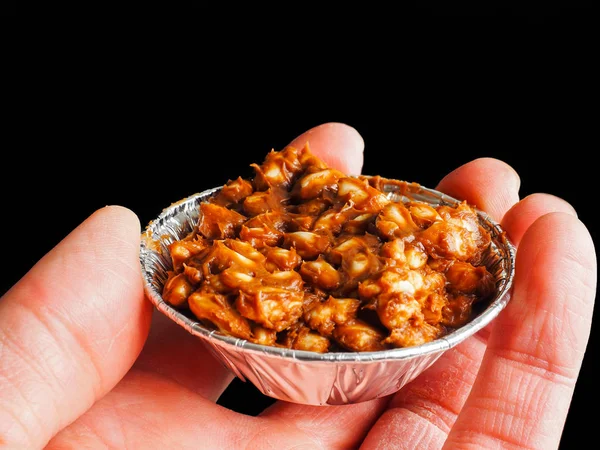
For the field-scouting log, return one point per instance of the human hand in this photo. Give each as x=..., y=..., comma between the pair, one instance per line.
x=80, y=366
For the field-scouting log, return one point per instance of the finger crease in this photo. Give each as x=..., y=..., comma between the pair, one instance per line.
x=436, y=414
x=26, y=357
x=67, y=352
x=502, y=440
x=18, y=419
x=537, y=366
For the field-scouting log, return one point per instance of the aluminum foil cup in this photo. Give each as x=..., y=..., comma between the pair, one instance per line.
x=319, y=378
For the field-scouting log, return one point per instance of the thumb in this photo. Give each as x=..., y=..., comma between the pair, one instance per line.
x=71, y=328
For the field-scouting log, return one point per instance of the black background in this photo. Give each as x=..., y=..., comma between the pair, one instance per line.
x=142, y=132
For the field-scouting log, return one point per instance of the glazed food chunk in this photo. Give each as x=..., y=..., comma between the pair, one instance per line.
x=304, y=257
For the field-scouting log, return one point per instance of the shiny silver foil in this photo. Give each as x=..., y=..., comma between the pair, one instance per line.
x=318, y=378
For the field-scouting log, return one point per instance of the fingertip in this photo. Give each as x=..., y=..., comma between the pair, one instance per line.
x=522, y=215
x=339, y=145
x=556, y=263
x=509, y=172
x=480, y=170
x=114, y=225
x=120, y=215
x=565, y=230
x=488, y=183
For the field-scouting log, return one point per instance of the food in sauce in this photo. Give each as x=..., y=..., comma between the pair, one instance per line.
x=305, y=257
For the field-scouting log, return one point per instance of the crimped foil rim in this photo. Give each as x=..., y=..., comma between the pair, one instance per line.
x=162, y=231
